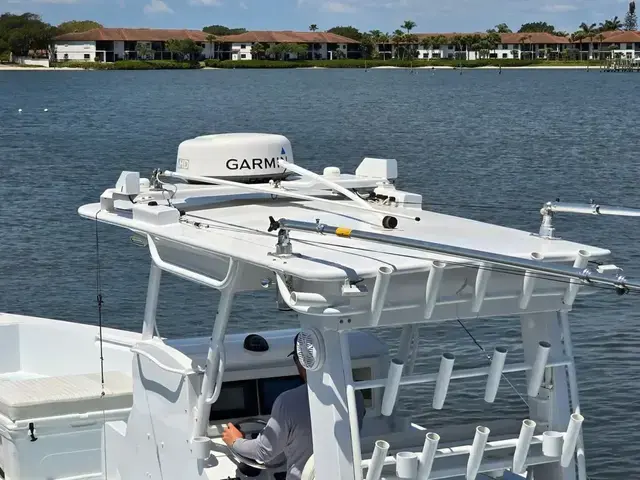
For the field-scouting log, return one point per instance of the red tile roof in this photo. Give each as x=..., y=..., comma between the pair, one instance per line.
x=506, y=38
x=618, y=36
x=286, y=37
x=161, y=35
x=134, y=35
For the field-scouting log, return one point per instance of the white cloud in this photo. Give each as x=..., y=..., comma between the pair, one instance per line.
x=157, y=6
x=338, y=7
x=61, y=2
x=206, y=3
x=559, y=8
x=243, y=6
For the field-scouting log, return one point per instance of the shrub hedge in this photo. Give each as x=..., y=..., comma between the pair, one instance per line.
x=130, y=65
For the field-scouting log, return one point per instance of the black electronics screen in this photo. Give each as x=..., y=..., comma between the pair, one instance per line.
x=237, y=399
x=270, y=388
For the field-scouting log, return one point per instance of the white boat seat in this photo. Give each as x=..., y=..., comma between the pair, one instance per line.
x=69, y=394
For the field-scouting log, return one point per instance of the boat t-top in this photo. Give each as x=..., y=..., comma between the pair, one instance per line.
x=349, y=254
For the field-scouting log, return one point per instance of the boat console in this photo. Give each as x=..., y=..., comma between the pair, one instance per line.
x=354, y=257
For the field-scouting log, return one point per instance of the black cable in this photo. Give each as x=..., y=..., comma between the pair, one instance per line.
x=100, y=302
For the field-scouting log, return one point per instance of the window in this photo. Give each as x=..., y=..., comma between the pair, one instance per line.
x=243, y=46
x=87, y=56
x=505, y=55
x=243, y=55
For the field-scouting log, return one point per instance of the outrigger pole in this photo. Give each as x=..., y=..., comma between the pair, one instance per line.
x=586, y=275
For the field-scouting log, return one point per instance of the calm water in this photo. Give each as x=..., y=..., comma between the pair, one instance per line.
x=493, y=147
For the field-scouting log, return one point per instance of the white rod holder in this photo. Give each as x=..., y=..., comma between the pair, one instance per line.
x=383, y=277
x=529, y=283
x=404, y=344
x=391, y=388
x=442, y=382
x=480, y=290
x=201, y=447
x=495, y=374
x=537, y=371
x=377, y=460
x=552, y=443
x=522, y=447
x=433, y=285
x=428, y=455
x=307, y=299
x=571, y=439
x=477, y=451
x=406, y=465
x=581, y=261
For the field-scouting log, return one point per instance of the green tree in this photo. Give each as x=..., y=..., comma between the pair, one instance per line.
x=25, y=34
x=75, y=26
x=144, y=51
x=313, y=27
x=409, y=25
x=221, y=30
x=258, y=50
x=610, y=25
x=630, y=19
x=349, y=32
x=397, y=38
x=502, y=28
x=534, y=27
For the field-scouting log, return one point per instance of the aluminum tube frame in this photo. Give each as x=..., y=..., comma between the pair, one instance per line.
x=351, y=406
x=151, y=305
x=586, y=275
x=590, y=209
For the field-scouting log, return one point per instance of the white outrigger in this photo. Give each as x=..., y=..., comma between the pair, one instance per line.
x=347, y=252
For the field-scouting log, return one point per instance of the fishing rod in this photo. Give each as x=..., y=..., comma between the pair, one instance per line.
x=586, y=275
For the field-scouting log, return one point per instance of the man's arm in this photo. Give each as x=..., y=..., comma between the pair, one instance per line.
x=270, y=442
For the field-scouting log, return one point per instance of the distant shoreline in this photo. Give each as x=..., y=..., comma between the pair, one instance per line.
x=539, y=66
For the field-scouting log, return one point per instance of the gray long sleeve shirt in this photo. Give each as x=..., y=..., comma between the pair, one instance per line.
x=289, y=431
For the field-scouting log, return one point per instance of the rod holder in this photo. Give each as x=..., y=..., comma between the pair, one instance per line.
x=427, y=456
x=537, y=371
x=482, y=280
x=383, y=277
x=442, y=382
x=581, y=261
x=495, y=374
x=433, y=285
x=406, y=465
x=201, y=447
x=571, y=439
x=529, y=283
x=391, y=388
x=306, y=299
x=522, y=446
x=477, y=451
x=377, y=460
x=552, y=443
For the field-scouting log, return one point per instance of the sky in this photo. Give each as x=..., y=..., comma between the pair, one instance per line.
x=385, y=15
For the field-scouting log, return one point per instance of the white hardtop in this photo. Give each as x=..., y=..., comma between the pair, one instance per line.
x=234, y=223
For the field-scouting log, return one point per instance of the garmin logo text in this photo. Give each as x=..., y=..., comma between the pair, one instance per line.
x=254, y=163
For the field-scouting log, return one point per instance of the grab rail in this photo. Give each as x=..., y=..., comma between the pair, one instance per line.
x=222, y=359
x=188, y=274
x=148, y=356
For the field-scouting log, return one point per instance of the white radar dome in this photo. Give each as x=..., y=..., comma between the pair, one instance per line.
x=241, y=157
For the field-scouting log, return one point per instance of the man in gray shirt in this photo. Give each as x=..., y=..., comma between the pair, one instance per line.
x=288, y=430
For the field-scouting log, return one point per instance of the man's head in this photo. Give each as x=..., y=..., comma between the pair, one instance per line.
x=301, y=371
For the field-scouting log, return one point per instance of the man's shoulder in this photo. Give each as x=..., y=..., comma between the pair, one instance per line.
x=293, y=395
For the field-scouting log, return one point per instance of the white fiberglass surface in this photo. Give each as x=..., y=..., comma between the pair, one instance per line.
x=20, y=375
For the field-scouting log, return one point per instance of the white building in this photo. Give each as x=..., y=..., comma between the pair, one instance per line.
x=257, y=44
x=111, y=44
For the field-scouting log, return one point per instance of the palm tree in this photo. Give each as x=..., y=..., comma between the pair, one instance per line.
x=589, y=32
x=313, y=27
x=258, y=50
x=384, y=39
x=211, y=40
x=600, y=38
x=397, y=38
x=427, y=44
x=409, y=25
x=609, y=25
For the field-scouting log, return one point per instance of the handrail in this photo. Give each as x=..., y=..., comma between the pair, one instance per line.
x=148, y=356
x=222, y=359
x=188, y=274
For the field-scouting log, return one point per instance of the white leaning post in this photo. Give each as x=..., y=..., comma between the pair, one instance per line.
x=203, y=408
x=151, y=306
